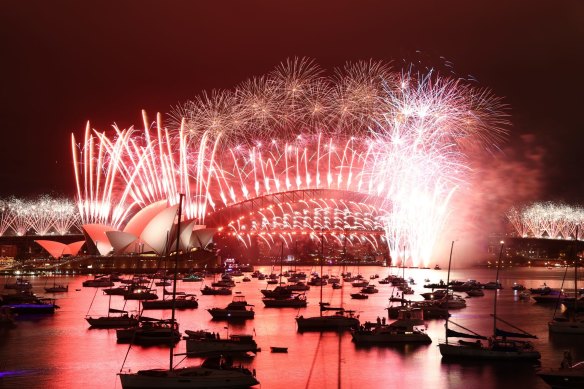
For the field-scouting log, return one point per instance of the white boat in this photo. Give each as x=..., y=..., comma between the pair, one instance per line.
x=406, y=329
x=502, y=345
x=213, y=373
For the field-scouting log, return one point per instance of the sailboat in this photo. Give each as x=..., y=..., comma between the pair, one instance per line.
x=572, y=324
x=502, y=345
x=341, y=320
x=115, y=318
x=212, y=373
x=285, y=299
x=56, y=288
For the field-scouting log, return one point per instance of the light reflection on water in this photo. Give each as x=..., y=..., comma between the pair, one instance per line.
x=61, y=351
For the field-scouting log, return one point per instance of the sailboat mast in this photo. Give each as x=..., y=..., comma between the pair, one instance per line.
x=281, y=260
x=447, y=286
x=174, y=281
x=404, y=265
x=497, y=290
x=321, y=266
x=575, y=274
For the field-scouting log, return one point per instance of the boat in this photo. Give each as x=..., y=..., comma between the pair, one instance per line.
x=568, y=376
x=98, y=282
x=212, y=373
x=360, y=283
x=359, y=296
x=551, y=297
x=370, y=289
x=341, y=319
x=235, y=310
x=223, y=284
x=279, y=292
x=278, y=349
x=299, y=287
x=493, y=285
x=295, y=301
x=121, y=319
x=431, y=309
x=408, y=328
x=207, y=343
x=475, y=293
x=57, y=288
x=116, y=318
x=215, y=291
x=453, y=301
x=150, y=331
x=502, y=345
x=36, y=307
x=192, y=278
x=140, y=294
x=185, y=301
x=571, y=322
x=435, y=295
x=19, y=284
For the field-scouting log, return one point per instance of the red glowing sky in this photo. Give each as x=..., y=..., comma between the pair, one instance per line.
x=64, y=63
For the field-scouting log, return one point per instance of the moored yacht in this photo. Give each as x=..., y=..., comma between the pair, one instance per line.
x=210, y=374
x=235, y=310
x=295, y=301
x=502, y=345
x=406, y=329
x=341, y=320
x=207, y=343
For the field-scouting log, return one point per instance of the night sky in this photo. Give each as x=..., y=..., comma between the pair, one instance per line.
x=64, y=63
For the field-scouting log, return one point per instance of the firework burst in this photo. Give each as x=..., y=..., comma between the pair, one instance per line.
x=399, y=136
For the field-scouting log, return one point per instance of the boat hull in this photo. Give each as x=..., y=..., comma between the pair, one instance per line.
x=563, y=378
x=112, y=322
x=457, y=351
x=322, y=323
x=167, y=304
x=224, y=314
x=372, y=339
x=188, y=378
x=285, y=303
x=567, y=327
x=219, y=346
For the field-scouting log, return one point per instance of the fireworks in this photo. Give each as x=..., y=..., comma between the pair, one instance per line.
x=548, y=220
x=42, y=215
x=401, y=137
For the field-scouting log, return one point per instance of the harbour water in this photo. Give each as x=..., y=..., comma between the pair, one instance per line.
x=61, y=351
